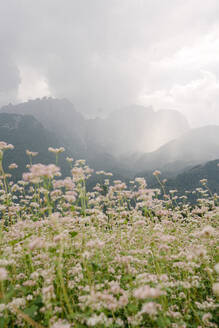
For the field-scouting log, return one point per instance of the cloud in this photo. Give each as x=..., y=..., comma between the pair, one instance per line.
x=105, y=54
x=198, y=99
x=32, y=85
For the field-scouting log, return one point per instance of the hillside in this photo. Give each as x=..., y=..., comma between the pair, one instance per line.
x=24, y=132
x=190, y=179
x=125, y=131
x=194, y=147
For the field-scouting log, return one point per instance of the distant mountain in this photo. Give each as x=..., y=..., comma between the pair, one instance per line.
x=25, y=132
x=197, y=146
x=188, y=182
x=182, y=160
x=125, y=131
x=58, y=116
x=137, y=129
x=190, y=179
x=69, y=127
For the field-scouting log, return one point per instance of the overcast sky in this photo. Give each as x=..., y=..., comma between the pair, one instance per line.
x=105, y=54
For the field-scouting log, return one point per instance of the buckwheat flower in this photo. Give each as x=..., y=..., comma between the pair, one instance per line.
x=69, y=159
x=56, y=150
x=80, y=162
x=17, y=302
x=34, y=275
x=70, y=196
x=97, y=243
x=147, y=292
x=86, y=255
x=139, y=223
x=38, y=171
x=29, y=297
x=206, y=317
x=2, y=307
x=21, y=276
x=98, y=319
x=48, y=292
x=61, y=324
x=115, y=287
x=93, y=321
x=215, y=289
x=3, y=274
x=150, y=308
x=207, y=231
x=216, y=267
x=4, y=262
x=12, y=166
x=68, y=183
x=2, y=207
x=58, y=238
x=29, y=283
x=123, y=300
x=31, y=153
x=78, y=174
x=5, y=146
x=36, y=243
x=119, y=322
x=199, y=251
x=100, y=172
x=156, y=173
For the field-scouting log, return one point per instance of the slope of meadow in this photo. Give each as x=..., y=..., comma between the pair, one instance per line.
x=113, y=257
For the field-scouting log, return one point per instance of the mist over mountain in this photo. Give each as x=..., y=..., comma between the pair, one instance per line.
x=194, y=147
x=57, y=116
x=125, y=131
x=131, y=141
x=137, y=129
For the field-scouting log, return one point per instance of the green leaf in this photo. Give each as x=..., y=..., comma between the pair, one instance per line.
x=2, y=322
x=39, y=300
x=132, y=308
x=95, y=266
x=31, y=311
x=73, y=233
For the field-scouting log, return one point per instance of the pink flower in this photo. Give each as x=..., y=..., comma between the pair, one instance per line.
x=12, y=166
x=147, y=292
x=3, y=274
x=56, y=150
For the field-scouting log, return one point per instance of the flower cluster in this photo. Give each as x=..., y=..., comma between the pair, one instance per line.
x=112, y=257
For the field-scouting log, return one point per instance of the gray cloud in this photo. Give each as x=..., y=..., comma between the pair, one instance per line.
x=107, y=54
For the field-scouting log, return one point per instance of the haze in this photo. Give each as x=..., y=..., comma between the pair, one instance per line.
x=103, y=55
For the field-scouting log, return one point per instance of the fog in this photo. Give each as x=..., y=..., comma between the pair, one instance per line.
x=104, y=55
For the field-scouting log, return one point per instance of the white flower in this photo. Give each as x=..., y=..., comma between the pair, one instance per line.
x=150, y=308
x=5, y=146
x=3, y=274
x=216, y=268
x=12, y=166
x=147, y=292
x=156, y=173
x=61, y=324
x=207, y=231
x=56, y=150
x=31, y=153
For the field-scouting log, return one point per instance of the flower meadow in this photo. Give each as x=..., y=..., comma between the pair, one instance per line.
x=117, y=256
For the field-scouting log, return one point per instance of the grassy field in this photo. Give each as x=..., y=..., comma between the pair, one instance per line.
x=113, y=257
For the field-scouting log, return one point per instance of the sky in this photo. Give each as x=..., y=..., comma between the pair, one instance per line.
x=106, y=54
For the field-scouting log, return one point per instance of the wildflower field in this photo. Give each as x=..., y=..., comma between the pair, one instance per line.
x=119, y=256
